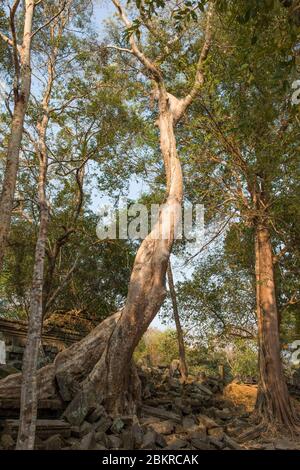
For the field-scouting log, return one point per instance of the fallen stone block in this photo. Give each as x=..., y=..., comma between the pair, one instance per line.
x=54, y=443
x=7, y=442
x=163, y=427
x=88, y=442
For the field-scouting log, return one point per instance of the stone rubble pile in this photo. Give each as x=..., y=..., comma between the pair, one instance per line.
x=173, y=416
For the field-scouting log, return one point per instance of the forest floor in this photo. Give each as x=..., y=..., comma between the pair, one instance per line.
x=199, y=414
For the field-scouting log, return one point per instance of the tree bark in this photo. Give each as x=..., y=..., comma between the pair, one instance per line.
x=181, y=347
x=273, y=403
x=146, y=289
x=28, y=409
x=146, y=292
x=60, y=381
x=22, y=56
x=111, y=379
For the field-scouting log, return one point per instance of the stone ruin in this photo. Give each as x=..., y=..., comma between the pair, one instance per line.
x=13, y=339
x=195, y=414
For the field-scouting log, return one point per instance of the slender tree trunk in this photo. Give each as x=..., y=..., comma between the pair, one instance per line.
x=273, y=402
x=29, y=393
x=28, y=410
x=181, y=347
x=29, y=389
x=21, y=93
x=109, y=378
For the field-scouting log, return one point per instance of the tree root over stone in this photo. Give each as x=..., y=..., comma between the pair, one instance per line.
x=69, y=379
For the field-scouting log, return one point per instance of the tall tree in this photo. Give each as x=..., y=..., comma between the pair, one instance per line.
x=22, y=84
x=249, y=121
x=147, y=283
x=100, y=367
x=28, y=405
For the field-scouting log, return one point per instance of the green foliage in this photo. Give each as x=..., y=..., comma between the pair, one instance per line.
x=97, y=286
x=239, y=357
x=157, y=347
x=218, y=300
x=244, y=131
x=241, y=132
x=242, y=359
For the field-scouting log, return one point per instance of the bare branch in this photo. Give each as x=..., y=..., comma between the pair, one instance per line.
x=239, y=332
x=292, y=301
x=199, y=77
x=282, y=252
x=215, y=236
x=13, y=11
x=14, y=7
x=121, y=49
x=6, y=39
x=61, y=286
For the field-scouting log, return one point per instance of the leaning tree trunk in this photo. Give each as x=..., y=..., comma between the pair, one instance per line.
x=181, y=347
x=21, y=94
x=273, y=403
x=110, y=376
x=109, y=379
x=99, y=369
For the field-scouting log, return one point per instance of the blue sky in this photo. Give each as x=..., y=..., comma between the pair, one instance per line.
x=102, y=10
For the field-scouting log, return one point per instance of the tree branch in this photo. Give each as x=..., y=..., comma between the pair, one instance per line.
x=15, y=47
x=215, y=236
x=155, y=72
x=6, y=39
x=279, y=255
x=199, y=77
x=51, y=19
x=61, y=286
x=121, y=49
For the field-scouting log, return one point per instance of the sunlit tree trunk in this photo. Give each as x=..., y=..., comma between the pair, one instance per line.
x=109, y=378
x=273, y=402
x=147, y=291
